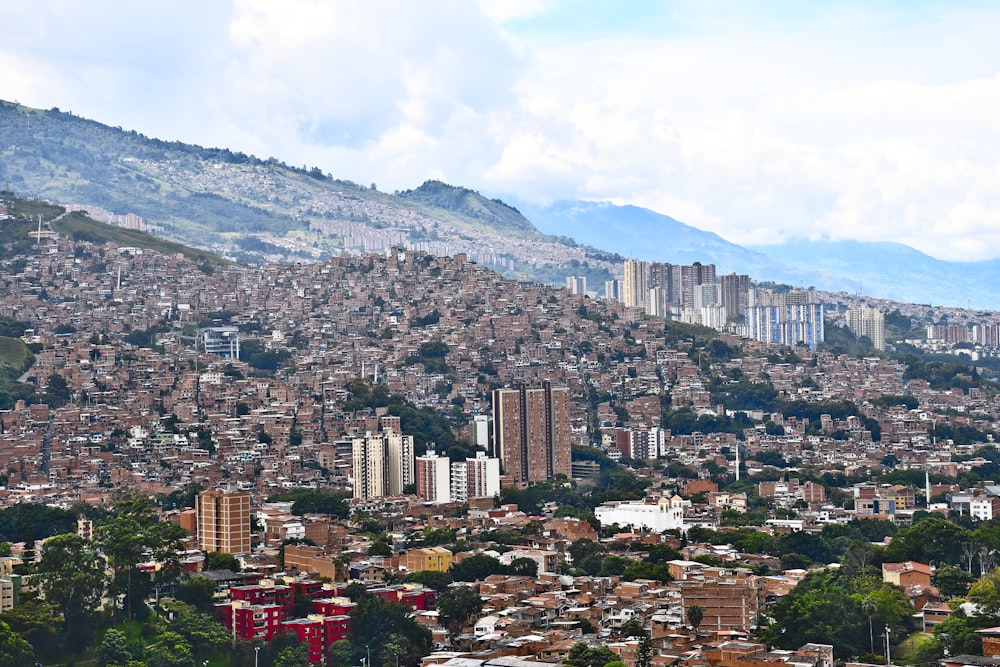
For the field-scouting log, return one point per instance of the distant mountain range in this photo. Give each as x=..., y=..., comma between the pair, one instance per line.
x=886, y=270
x=264, y=210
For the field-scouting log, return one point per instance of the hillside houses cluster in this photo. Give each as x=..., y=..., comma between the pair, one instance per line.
x=151, y=410
x=351, y=317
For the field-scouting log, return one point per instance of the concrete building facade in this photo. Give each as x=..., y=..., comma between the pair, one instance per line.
x=532, y=431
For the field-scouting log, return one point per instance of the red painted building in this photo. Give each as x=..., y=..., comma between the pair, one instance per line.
x=282, y=596
x=257, y=621
x=311, y=632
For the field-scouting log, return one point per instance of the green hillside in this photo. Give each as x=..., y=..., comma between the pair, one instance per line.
x=470, y=204
x=78, y=225
x=82, y=228
x=15, y=357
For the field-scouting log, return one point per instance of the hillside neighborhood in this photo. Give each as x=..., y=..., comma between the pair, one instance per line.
x=714, y=477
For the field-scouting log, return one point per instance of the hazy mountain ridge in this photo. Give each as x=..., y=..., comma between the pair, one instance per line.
x=633, y=231
x=196, y=193
x=896, y=271
x=886, y=270
x=216, y=198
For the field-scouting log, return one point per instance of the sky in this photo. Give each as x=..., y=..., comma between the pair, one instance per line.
x=762, y=121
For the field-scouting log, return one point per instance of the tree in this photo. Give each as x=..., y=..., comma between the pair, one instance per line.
x=953, y=581
x=439, y=581
x=456, y=605
x=197, y=591
x=14, y=651
x=128, y=537
x=523, y=567
x=113, y=649
x=356, y=590
x=932, y=540
x=644, y=655
x=216, y=560
x=633, y=628
x=870, y=606
x=37, y=622
x=582, y=655
x=986, y=593
x=476, y=568
x=695, y=615
x=171, y=650
x=72, y=578
x=202, y=631
x=302, y=605
x=379, y=548
x=376, y=622
x=293, y=656
x=57, y=390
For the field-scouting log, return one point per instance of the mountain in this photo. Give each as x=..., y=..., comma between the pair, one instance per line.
x=471, y=204
x=245, y=208
x=217, y=198
x=886, y=270
x=894, y=271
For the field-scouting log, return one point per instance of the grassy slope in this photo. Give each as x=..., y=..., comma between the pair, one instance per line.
x=79, y=226
x=15, y=357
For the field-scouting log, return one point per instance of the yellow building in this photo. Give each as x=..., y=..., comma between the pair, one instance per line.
x=436, y=559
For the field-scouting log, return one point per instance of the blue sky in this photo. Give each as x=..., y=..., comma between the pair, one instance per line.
x=761, y=121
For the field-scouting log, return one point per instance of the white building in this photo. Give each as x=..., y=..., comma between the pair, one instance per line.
x=666, y=514
x=481, y=431
x=870, y=322
x=382, y=464
x=475, y=478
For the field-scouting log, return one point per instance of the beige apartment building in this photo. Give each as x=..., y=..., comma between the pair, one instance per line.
x=223, y=521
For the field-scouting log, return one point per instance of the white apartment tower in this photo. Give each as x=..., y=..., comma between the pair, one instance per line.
x=475, y=478
x=383, y=464
x=865, y=321
x=576, y=284
x=636, y=283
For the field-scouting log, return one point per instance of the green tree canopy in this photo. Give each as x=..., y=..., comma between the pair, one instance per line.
x=71, y=574
x=375, y=623
x=14, y=651
x=457, y=605
x=128, y=537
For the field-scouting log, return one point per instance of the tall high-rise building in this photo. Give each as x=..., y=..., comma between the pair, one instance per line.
x=658, y=304
x=787, y=324
x=735, y=291
x=482, y=476
x=691, y=277
x=613, y=290
x=870, y=322
x=576, y=284
x=681, y=281
x=223, y=521
x=636, y=283
x=532, y=431
x=433, y=473
x=383, y=464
